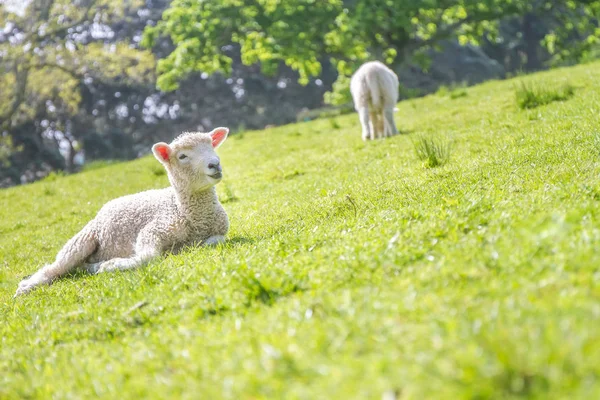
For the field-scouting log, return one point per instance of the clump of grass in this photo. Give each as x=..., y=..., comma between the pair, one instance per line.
x=325, y=112
x=442, y=91
x=458, y=93
x=409, y=93
x=334, y=124
x=535, y=95
x=97, y=164
x=239, y=131
x=158, y=170
x=596, y=142
x=229, y=195
x=434, y=151
x=54, y=175
x=293, y=174
x=453, y=91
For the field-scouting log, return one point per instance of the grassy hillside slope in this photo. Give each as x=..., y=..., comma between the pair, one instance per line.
x=351, y=271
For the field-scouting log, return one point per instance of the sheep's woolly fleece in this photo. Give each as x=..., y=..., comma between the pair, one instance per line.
x=131, y=230
x=374, y=89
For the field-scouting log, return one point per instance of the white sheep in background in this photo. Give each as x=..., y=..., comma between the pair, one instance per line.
x=131, y=230
x=374, y=89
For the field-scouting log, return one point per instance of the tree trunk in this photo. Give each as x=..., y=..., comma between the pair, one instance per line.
x=531, y=43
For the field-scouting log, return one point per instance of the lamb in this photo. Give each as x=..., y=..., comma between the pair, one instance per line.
x=374, y=89
x=131, y=230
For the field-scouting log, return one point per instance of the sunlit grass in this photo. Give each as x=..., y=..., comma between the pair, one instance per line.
x=433, y=151
x=350, y=271
x=531, y=95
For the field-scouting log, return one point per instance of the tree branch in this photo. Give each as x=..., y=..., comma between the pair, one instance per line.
x=21, y=77
x=447, y=30
x=75, y=74
x=82, y=75
x=63, y=29
x=416, y=44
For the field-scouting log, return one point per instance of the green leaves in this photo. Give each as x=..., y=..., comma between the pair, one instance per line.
x=58, y=66
x=265, y=31
x=301, y=33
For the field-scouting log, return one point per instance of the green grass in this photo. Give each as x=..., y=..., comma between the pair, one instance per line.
x=455, y=91
x=351, y=269
x=532, y=95
x=433, y=151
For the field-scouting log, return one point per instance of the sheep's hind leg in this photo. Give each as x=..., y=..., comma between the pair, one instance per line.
x=390, y=124
x=374, y=125
x=73, y=254
x=380, y=126
x=373, y=118
x=363, y=114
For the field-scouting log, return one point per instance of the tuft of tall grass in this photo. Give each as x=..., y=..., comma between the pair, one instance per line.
x=334, y=124
x=434, y=151
x=534, y=94
x=453, y=91
x=596, y=142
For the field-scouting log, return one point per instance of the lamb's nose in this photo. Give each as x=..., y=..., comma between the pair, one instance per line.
x=215, y=165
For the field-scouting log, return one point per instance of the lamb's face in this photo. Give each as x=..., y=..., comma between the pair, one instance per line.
x=191, y=160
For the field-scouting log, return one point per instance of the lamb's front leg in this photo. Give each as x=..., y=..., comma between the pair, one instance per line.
x=214, y=240
x=146, y=249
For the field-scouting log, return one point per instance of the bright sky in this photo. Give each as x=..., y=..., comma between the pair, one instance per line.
x=15, y=6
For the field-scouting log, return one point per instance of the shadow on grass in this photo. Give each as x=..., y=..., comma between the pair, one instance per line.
x=265, y=292
x=239, y=241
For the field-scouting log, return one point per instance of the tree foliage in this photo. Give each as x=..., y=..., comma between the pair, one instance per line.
x=95, y=94
x=266, y=31
x=73, y=76
x=54, y=53
x=43, y=59
x=52, y=49
x=300, y=33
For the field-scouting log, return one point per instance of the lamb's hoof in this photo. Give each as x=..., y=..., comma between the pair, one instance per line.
x=25, y=286
x=92, y=269
x=214, y=240
x=107, y=266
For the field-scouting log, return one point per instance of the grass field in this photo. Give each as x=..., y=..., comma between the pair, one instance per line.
x=352, y=270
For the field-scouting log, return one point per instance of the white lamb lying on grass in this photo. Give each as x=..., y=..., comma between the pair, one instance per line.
x=374, y=89
x=131, y=230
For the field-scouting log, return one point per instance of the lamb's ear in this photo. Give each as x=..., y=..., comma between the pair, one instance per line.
x=218, y=136
x=162, y=152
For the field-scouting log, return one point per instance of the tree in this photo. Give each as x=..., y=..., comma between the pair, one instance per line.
x=54, y=53
x=300, y=33
x=119, y=115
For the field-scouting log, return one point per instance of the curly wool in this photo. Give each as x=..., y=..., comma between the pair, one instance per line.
x=130, y=230
x=374, y=89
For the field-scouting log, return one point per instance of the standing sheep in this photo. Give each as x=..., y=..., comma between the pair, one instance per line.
x=131, y=230
x=374, y=89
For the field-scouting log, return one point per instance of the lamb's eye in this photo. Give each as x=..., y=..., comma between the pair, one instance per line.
x=182, y=156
